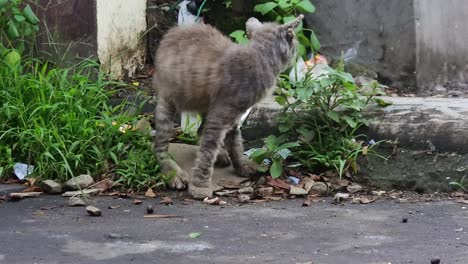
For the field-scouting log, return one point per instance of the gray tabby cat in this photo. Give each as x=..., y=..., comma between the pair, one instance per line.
x=198, y=69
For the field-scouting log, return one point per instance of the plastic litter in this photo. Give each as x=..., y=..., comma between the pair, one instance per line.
x=294, y=180
x=22, y=170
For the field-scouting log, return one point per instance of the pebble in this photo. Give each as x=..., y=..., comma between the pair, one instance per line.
x=93, y=211
x=79, y=182
x=435, y=261
x=149, y=209
x=51, y=187
x=244, y=198
x=404, y=220
x=76, y=201
x=319, y=188
x=354, y=188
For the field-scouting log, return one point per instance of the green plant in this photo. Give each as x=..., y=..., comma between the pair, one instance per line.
x=17, y=23
x=283, y=11
x=324, y=112
x=460, y=184
x=276, y=150
x=62, y=121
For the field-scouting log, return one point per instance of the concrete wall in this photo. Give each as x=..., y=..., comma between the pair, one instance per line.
x=121, y=25
x=67, y=30
x=442, y=37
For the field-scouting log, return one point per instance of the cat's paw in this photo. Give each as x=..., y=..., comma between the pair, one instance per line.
x=180, y=179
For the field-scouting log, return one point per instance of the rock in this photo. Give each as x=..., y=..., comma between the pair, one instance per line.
x=267, y=191
x=244, y=198
x=142, y=125
x=149, y=209
x=83, y=192
x=261, y=181
x=51, y=187
x=435, y=261
x=79, y=182
x=246, y=190
x=297, y=191
x=93, y=211
x=319, y=188
x=340, y=197
x=76, y=201
x=354, y=188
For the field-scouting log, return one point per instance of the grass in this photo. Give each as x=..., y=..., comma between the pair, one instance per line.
x=61, y=121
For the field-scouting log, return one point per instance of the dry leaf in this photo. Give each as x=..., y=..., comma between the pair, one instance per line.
x=463, y=201
x=32, y=189
x=367, y=200
x=161, y=216
x=149, y=193
x=166, y=200
x=277, y=183
x=113, y=206
x=31, y=181
x=105, y=185
x=214, y=201
x=136, y=201
x=230, y=184
x=458, y=194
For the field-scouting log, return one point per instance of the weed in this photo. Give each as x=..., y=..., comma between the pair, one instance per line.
x=61, y=120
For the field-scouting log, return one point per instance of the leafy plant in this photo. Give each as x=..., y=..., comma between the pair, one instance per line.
x=324, y=112
x=283, y=11
x=61, y=121
x=17, y=23
x=460, y=184
x=276, y=150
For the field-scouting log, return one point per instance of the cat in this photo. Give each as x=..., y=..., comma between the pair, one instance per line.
x=198, y=69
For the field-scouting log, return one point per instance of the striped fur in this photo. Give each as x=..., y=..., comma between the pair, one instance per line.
x=199, y=69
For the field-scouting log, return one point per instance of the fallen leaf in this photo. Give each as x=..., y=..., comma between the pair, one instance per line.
x=161, y=216
x=194, y=235
x=297, y=191
x=463, y=201
x=136, y=83
x=166, y=200
x=150, y=193
x=339, y=197
x=32, y=189
x=136, y=201
x=188, y=201
x=113, y=206
x=40, y=212
x=365, y=150
x=31, y=181
x=3, y=198
x=310, y=200
x=315, y=177
x=367, y=200
x=458, y=194
x=214, y=201
x=277, y=183
x=104, y=185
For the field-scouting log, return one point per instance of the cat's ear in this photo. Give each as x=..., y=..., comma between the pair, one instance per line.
x=292, y=25
x=251, y=26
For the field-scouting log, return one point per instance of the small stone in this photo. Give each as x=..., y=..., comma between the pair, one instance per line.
x=79, y=182
x=76, y=201
x=297, y=191
x=435, y=261
x=354, y=188
x=243, y=198
x=340, y=197
x=245, y=190
x=83, y=192
x=404, y=220
x=149, y=209
x=319, y=188
x=267, y=191
x=93, y=211
x=261, y=181
x=51, y=187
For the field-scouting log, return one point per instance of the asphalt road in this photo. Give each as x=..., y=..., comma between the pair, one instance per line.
x=47, y=230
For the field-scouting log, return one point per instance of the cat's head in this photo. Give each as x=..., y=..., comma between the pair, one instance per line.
x=282, y=36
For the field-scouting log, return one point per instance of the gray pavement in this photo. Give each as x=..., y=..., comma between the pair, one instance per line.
x=273, y=232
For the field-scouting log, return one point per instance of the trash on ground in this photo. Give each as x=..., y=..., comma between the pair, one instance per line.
x=194, y=235
x=294, y=180
x=22, y=170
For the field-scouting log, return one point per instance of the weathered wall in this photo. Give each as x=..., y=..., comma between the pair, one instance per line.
x=121, y=25
x=382, y=31
x=442, y=37
x=67, y=30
